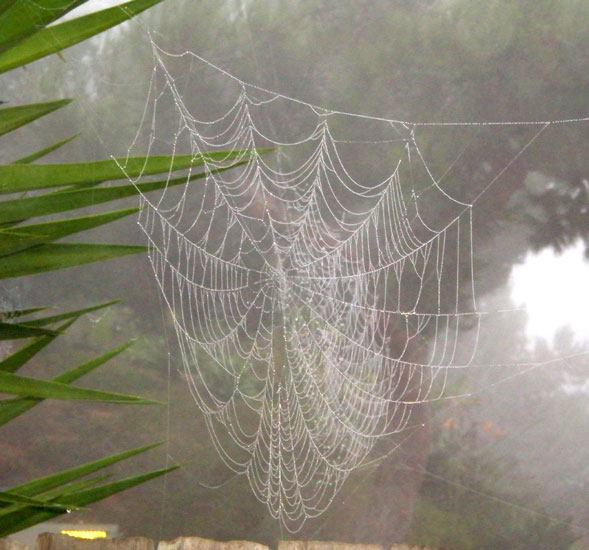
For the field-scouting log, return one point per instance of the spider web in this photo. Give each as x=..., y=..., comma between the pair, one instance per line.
x=301, y=294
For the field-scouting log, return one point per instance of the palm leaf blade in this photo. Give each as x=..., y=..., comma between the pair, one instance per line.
x=17, y=178
x=12, y=118
x=27, y=236
x=16, y=360
x=22, y=19
x=32, y=387
x=58, y=37
x=53, y=256
x=14, y=331
x=45, y=151
x=68, y=315
x=42, y=485
x=70, y=199
x=11, y=408
x=27, y=517
x=10, y=498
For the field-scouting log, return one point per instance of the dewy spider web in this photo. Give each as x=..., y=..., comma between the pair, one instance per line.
x=301, y=295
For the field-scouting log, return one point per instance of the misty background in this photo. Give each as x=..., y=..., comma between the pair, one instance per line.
x=507, y=466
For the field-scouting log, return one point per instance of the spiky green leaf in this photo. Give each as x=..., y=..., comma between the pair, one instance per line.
x=11, y=408
x=45, y=151
x=20, y=312
x=10, y=498
x=16, y=360
x=47, y=483
x=75, y=486
x=27, y=236
x=12, y=118
x=22, y=18
x=63, y=35
x=51, y=496
x=15, y=331
x=44, y=321
x=49, y=257
x=33, y=387
x=16, y=178
x=52, y=203
x=27, y=517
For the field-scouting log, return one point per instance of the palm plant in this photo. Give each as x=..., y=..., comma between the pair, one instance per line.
x=29, y=31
